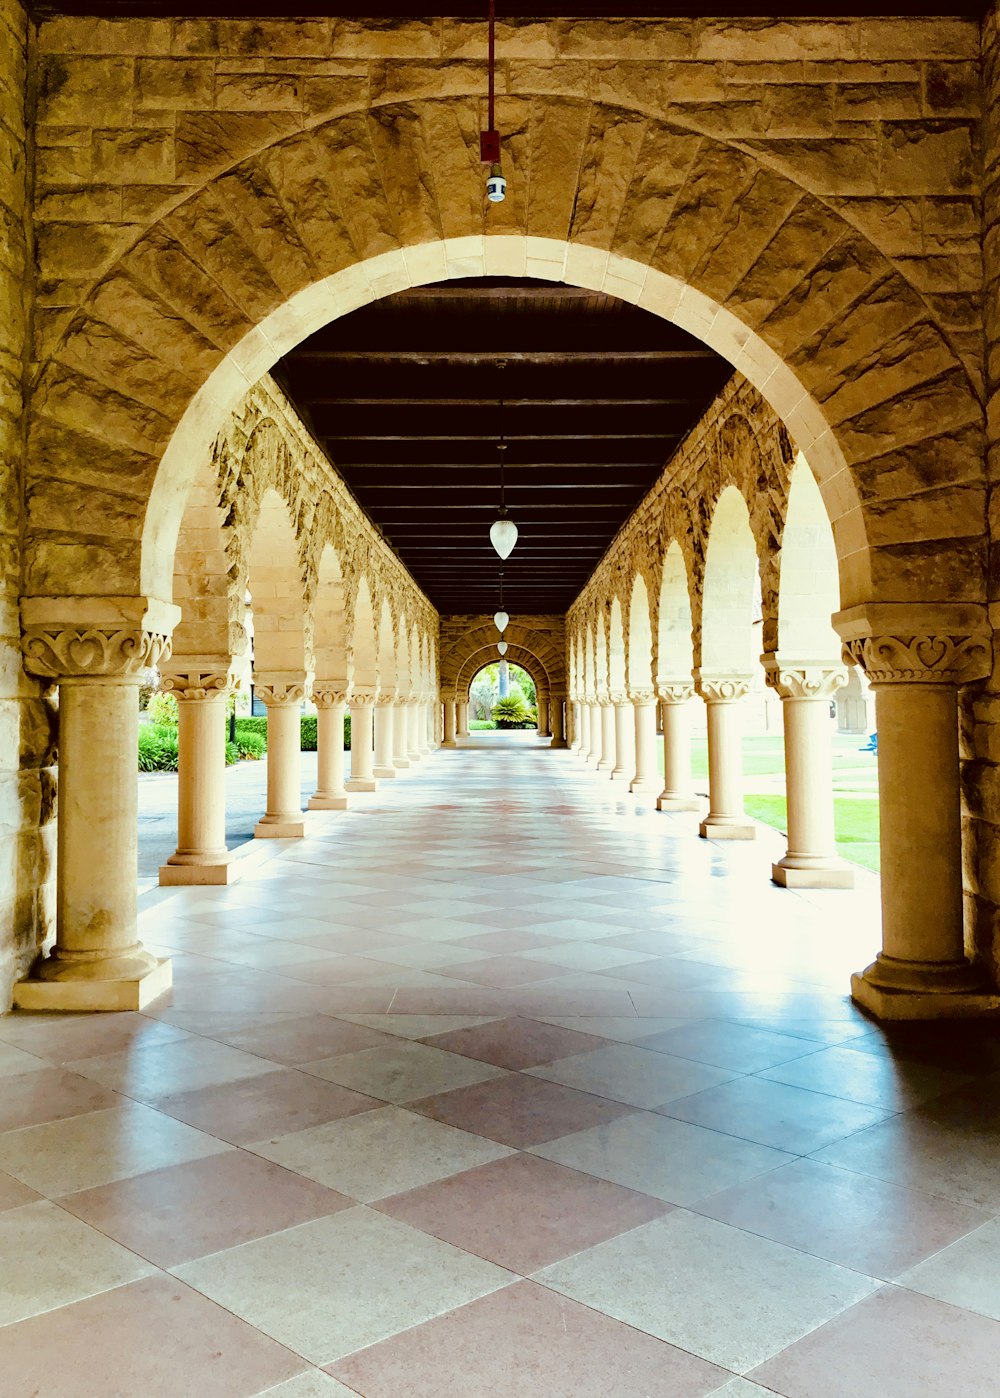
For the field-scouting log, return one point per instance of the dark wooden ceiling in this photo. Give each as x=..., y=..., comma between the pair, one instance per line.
x=404, y=397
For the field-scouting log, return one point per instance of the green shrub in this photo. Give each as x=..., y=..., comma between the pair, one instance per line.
x=257, y=726
x=162, y=709
x=308, y=729
x=347, y=732
x=157, y=748
x=232, y=754
x=509, y=712
x=251, y=746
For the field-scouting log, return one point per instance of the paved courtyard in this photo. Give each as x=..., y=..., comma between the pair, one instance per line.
x=501, y=1083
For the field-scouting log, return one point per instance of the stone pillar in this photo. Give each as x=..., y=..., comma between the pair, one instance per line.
x=331, y=705
x=806, y=691
x=449, y=724
x=556, y=721
x=384, y=733
x=596, y=733
x=573, y=716
x=646, y=779
x=201, y=856
x=726, y=819
x=282, y=695
x=922, y=971
x=624, y=737
x=97, y=962
x=414, y=720
x=606, y=760
x=400, y=735
x=676, y=794
x=542, y=710
x=362, y=705
x=429, y=713
x=462, y=719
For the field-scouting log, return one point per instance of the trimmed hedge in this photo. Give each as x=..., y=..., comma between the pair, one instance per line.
x=258, y=726
x=158, y=748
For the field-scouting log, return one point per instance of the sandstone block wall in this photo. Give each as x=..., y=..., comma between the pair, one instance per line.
x=27, y=739
x=537, y=643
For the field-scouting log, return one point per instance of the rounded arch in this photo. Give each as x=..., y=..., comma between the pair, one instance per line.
x=808, y=590
x=675, y=641
x=330, y=619
x=602, y=684
x=616, y=647
x=210, y=625
x=362, y=659
x=536, y=638
x=516, y=655
x=169, y=335
x=640, y=637
x=274, y=581
x=385, y=660
x=729, y=590
x=590, y=663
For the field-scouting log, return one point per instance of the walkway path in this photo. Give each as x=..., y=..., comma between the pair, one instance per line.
x=500, y=1084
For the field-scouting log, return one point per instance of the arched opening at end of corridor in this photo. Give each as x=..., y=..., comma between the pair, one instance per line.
x=503, y=697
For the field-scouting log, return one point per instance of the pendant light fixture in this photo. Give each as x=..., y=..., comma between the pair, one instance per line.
x=502, y=647
x=500, y=618
x=503, y=531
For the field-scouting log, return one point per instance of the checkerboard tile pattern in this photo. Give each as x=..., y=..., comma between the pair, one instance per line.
x=534, y=1093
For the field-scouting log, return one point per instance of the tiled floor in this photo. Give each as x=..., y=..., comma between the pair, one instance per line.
x=501, y=1084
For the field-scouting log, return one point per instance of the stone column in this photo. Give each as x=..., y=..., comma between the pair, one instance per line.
x=646, y=779
x=806, y=691
x=556, y=721
x=922, y=971
x=282, y=695
x=462, y=719
x=331, y=705
x=624, y=737
x=573, y=724
x=596, y=733
x=414, y=718
x=362, y=705
x=542, y=710
x=428, y=720
x=97, y=962
x=449, y=724
x=201, y=856
x=726, y=819
x=400, y=726
x=384, y=733
x=606, y=760
x=676, y=794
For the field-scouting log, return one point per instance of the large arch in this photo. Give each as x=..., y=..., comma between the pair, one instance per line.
x=540, y=640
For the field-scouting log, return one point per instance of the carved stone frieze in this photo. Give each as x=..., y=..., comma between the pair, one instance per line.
x=195, y=685
x=386, y=697
x=676, y=691
x=640, y=697
x=804, y=681
x=921, y=659
x=327, y=697
x=92, y=652
x=280, y=691
x=363, y=698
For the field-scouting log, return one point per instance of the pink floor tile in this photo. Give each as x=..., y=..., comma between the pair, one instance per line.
x=13, y=1193
x=303, y=1038
x=522, y=1212
x=503, y=971
x=516, y=1043
x=526, y=1342
x=51, y=1094
x=273, y=1104
x=185, y=1211
x=519, y=1111
x=155, y=1338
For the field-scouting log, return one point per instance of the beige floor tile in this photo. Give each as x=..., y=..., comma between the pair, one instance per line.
x=379, y=1153
x=14, y=1061
x=328, y=1288
x=715, y=1291
x=624, y=1030
x=84, y=1151
x=419, y=1026
x=966, y=1274
x=631, y=1074
x=404, y=1073
x=149, y=1074
x=314, y=1384
x=656, y=1155
x=49, y=1259
x=742, y=1388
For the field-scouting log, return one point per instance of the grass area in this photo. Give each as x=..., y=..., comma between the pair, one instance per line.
x=855, y=820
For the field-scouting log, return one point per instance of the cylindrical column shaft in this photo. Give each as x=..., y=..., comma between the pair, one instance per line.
x=283, y=817
x=462, y=719
x=606, y=761
x=811, y=860
x=624, y=739
x=676, y=794
x=556, y=722
x=542, y=710
x=201, y=856
x=400, y=755
x=726, y=819
x=384, y=737
x=596, y=734
x=646, y=778
x=362, y=776
x=330, y=794
x=449, y=724
x=413, y=723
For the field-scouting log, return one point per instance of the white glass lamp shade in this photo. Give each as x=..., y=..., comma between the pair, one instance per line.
x=502, y=647
x=503, y=536
x=500, y=620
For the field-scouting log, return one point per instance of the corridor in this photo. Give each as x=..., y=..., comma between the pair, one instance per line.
x=501, y=1083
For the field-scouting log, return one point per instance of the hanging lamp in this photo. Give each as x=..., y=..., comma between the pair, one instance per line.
x=500, y=618
x=503, y=531
x=502, y=647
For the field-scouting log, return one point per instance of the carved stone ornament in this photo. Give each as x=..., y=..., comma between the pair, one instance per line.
x=716, y=689
x=92, y=652
x=328, y=698
x=197, y=684
x=806, y=681
x=363, y=698
x=386, y=697
x=921, y=659
x=676, y=691
x=640, y=697
x=618, y=697
x=280, y=692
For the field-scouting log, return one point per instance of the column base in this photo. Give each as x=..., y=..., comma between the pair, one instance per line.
x=618, y=773
x=731, y=830
x=909, y=990
x=111, y=996
x=385, y=771
x=666, y=802
x=558, y=743
x=361, y=784
x=216, y=871
x=402, y=763
x=833, y=875
x=327, y=803
x=292, y=828
x=642, y=787
x=603, y=766
x=449, y=743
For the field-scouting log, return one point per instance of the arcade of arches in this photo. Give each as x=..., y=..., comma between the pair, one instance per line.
x=185, y=201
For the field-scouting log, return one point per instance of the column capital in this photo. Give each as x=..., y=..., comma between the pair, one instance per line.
x=642, y=696
x=807, y=679
x=618, y=696
x=927, y=658
x=721, y=689
x=361, y=698
x=193, y=682
x=675, y=691
x=386, y=696
x=327, y=694
x=280, y=688
x=96, y=653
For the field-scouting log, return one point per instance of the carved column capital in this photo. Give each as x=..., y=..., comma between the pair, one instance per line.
x=386, y=697
x=921, y=659
x=278, y=688
x=640, y=697
x=675, y=691
x=721, y=689
x=617, y=697
x=198, y=683
x=806, y=680
x=362, y=698
x=326, y=696
x=97, y=653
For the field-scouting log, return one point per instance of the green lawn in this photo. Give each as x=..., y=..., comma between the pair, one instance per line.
x=855, y=820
